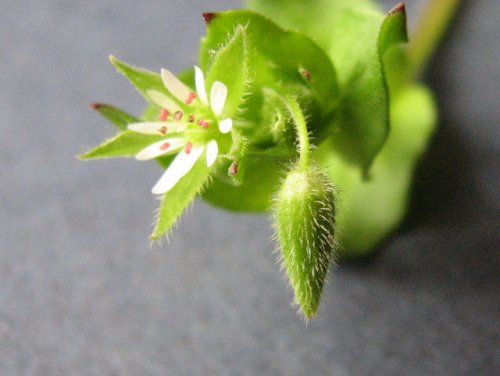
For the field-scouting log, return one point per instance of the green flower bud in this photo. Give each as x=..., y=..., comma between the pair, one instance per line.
x=305, y=224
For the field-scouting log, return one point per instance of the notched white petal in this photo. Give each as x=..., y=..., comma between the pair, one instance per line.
x=218, y=94
x=179, y=167
x=162, y=100
x=175, y=86
x=212, y=152
x=200, y=85
x=225, y=125
x=163, y=147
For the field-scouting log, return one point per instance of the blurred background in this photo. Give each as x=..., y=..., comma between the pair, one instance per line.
x=83, y=293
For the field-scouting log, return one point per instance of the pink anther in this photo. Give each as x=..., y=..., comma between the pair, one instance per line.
x=203, y=123
x=190, y=98
x=164, y=146
x=164, y=114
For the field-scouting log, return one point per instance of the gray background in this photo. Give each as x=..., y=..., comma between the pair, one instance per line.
x=82, y=293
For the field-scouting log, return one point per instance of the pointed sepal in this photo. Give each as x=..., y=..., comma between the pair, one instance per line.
x=178, y=197
x=124, y=144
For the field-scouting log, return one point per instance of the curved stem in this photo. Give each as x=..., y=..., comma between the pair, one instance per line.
x=301, y=128
x=429, y=31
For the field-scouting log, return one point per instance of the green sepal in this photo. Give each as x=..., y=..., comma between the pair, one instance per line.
x=124, y=144
x=230, y=66
x=146, y=82
x=117, y=117
x=179, y=197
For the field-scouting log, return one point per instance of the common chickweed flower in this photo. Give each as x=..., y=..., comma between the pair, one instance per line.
x=191, y=123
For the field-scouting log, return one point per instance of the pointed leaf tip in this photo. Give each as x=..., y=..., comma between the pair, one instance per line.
x=399, y=8
x=209, y=16
x=117, y=117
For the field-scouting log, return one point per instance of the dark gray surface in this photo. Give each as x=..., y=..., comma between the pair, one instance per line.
x=81, y=293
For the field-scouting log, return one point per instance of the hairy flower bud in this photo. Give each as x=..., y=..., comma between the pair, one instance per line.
x=305, y=223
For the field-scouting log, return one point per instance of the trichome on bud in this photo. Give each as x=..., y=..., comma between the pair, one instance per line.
x=305, y=224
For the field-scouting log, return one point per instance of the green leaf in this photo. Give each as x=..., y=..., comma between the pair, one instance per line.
x=179, y=197
x=369, y=210
x=364, y=117
x=309, y=17
x=116, y=116
x=125, y=144
x=356, y=42
x=230, y=66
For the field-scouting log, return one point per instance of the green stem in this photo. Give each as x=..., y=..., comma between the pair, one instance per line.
x=301, y=128
x=429, y=31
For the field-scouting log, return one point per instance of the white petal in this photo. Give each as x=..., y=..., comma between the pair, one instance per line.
x=162, y=100
x=218, y=94
x=160, y=148
x=212, y=151
x=175, y=86
x=179, y=167
x=156, y=128
x=225, y=125
x=200, y=85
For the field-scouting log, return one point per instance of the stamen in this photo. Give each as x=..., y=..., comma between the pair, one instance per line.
x=191, y=119
x=178, y=115
x=233, y=169
x=190, y=98
x=164, y=146
x=203, y=123
x=188, y=147
x=164, y=114
x=163, y=130
x=306, y=74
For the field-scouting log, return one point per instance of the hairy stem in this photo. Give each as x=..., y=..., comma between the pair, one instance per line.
x=301, y=128
x=429, y=31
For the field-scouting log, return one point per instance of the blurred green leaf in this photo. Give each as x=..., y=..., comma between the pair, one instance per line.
x=357, y=38
x=369, y=210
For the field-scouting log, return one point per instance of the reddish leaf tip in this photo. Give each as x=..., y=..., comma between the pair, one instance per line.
x=398, y=8
x=97, y=106
x=209, y=16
